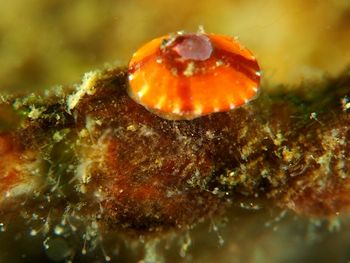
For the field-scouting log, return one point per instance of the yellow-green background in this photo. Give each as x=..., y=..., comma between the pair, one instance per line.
x=49, y=42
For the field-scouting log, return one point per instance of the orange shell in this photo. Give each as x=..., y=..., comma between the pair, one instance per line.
x=185, y=76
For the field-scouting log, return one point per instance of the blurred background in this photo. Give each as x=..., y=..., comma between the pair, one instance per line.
x=45, y=43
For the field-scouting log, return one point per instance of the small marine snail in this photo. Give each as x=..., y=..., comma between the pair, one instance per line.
x=189, y=75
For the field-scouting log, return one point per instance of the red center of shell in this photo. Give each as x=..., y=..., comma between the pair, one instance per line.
x=193, y=46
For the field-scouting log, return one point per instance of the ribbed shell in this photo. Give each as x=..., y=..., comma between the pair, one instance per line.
x=177, y=88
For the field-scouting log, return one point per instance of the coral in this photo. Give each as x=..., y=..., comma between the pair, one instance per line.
x=91, y=154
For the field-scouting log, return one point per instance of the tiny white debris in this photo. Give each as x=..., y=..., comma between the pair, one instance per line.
x=99, y=194
x=58, y=230
x=345, y=104
x=216, y=109
x=232, y=106
x=201, y=29
x=35, y=112
x=87, y=87
x=190, y=69
x=258, y=73
x=210, y=134
x=33, y=232
x=131, y=77
x=83, y=133
x=2, y=227
x=245, y=100
x=58, y=136
x=82, y=171
x=313, y=116
x=255, y=89
x=131, y=127
x=219, y=63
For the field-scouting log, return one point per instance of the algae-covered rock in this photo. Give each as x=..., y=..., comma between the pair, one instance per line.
x=88, y=158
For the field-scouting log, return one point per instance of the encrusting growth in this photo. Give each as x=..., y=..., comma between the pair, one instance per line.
x=102, y=157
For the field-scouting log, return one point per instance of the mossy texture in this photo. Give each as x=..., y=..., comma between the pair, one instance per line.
x=92, y=155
